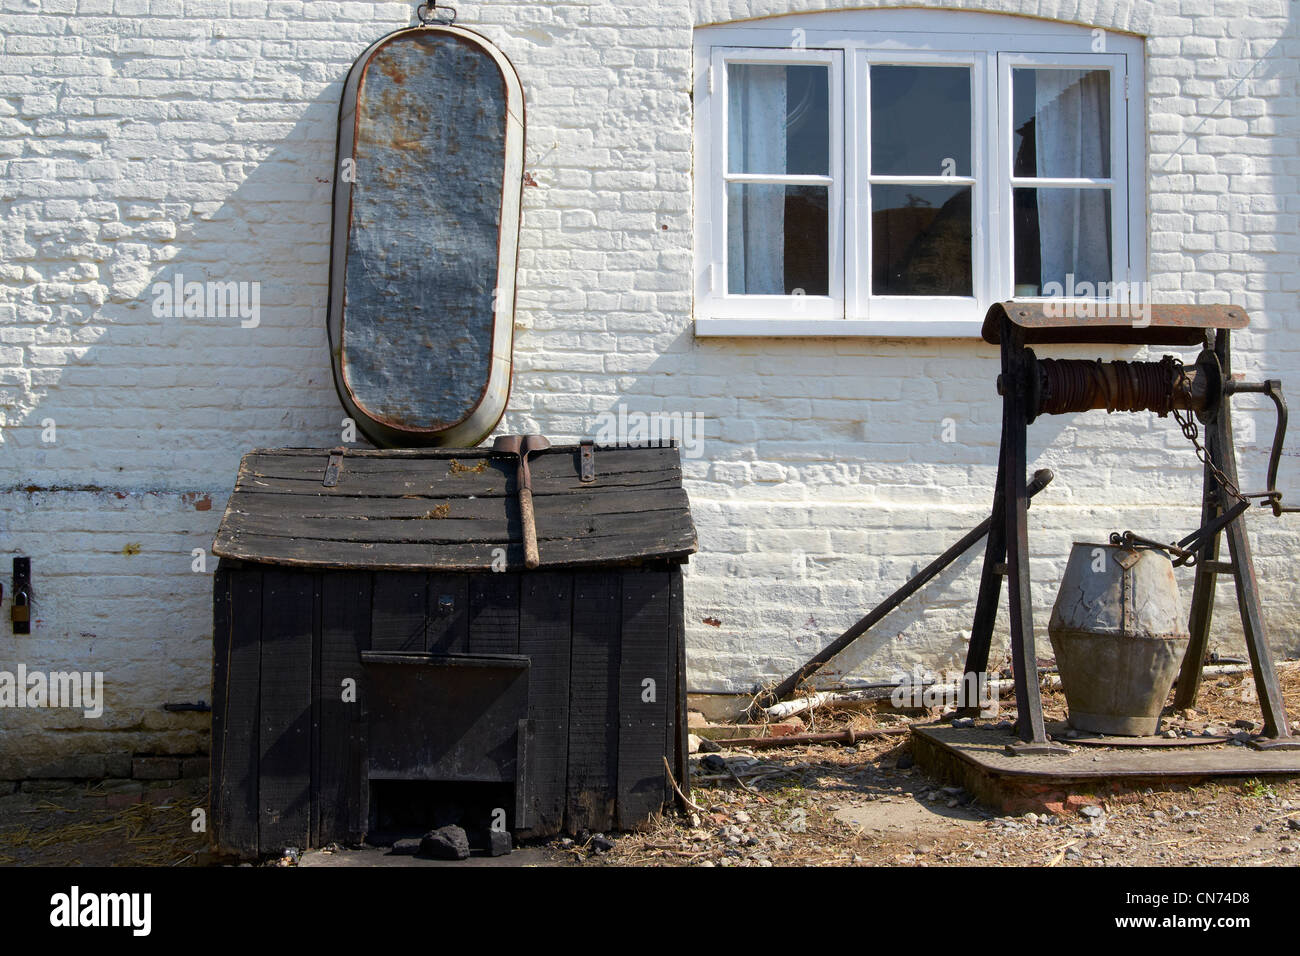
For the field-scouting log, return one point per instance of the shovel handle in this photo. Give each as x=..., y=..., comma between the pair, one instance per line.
x=531, y=557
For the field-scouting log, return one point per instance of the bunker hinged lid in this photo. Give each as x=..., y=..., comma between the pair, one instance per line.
x=425, y=240
x=454, y=509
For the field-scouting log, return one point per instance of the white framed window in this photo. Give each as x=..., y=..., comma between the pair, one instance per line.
x=775, y=212
x=895, y=172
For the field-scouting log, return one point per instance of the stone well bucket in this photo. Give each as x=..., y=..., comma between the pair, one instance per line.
x=1119, y=633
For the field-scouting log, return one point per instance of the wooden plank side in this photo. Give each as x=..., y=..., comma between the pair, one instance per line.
x=606, y=501
x=643, y=697
x=448, y=631
x=678, y=729
x=593, y=701
x=344, y=634
x=489, y=484
x=221, y=636
x=399, y=608
x=235, y=788
x=675, y=542
x=545, y=619
x=284, y=773
x=494, y=614
x=681, y=766
x=651, y=525
x=462, y=463
x=313, y=746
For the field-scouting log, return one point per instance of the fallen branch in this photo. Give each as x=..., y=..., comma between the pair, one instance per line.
x=691, y=804
x=939, y=693
x=792, y=707
x=744, y=786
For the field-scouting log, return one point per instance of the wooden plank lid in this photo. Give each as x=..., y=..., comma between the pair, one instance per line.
x=1120, y=324
x=454, y=509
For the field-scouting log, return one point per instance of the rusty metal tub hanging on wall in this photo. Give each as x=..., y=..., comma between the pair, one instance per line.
x=425, y=237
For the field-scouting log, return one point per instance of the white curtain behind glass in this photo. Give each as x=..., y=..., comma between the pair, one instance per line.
x=756, y=143
x=1071, y=142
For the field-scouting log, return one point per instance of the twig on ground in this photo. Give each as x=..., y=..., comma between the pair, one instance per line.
x=684, y=798
x=1055, y=861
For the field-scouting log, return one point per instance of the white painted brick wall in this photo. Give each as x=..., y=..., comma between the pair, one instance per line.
x=144, y=138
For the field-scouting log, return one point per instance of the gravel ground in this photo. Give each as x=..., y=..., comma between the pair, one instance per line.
x=867, y=805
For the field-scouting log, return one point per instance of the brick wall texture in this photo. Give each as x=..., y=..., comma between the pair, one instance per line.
x=145, y=139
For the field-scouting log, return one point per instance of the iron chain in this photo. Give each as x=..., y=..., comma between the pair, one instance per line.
x=1192, y=434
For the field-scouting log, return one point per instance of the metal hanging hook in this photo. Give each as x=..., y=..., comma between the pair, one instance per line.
x=429, y=12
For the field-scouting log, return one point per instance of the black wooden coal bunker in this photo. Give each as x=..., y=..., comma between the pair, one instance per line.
x=384, y=663
x=392, y=652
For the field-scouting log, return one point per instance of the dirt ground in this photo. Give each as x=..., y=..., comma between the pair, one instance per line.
x=865, y=805
x=861, y=805
x=111, y=823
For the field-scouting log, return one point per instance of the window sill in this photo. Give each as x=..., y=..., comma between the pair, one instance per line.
x=837, y=328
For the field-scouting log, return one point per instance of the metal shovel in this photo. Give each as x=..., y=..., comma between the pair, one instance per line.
x=521, y=446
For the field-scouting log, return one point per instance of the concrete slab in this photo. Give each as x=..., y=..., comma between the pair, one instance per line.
x=908, y=819
x=381, y=856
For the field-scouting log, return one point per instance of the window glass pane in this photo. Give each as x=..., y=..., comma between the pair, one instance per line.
x=778, y=240
x=921, y=240
x=1061, y=123
x=1062, y=236
x=920, y=121
x=778, y=119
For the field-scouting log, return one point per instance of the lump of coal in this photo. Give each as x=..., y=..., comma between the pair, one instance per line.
x=445, y=843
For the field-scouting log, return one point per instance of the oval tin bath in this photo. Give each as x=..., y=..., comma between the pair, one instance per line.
x=425, y=237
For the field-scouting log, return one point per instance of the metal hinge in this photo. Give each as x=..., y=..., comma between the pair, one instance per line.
x=587, y=462
x=332, y=468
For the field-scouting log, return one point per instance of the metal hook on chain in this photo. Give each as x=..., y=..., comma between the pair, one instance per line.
x=1133, y=542
x=429, y=12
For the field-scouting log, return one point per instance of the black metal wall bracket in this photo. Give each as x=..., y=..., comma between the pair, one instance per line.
x=20, y=611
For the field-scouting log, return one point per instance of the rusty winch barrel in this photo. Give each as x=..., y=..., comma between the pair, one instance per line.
x=1064, y=386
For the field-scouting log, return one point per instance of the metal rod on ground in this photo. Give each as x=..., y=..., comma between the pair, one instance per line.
x=1042, y=478
x=870, y=695
x=798, y=740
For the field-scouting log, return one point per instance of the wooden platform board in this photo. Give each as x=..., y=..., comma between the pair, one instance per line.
x=976, y=758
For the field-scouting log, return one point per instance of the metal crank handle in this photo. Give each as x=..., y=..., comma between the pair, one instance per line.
x=1042, y=478
x=1273, y=389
